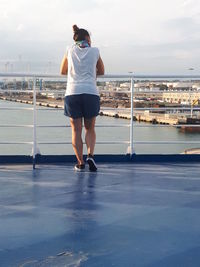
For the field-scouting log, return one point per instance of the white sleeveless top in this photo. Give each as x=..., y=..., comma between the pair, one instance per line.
x=82, y=70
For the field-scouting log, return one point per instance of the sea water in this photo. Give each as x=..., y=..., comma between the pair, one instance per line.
x=63, y=134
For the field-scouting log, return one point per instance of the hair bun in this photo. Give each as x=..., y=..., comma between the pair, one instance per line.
x=75, y=28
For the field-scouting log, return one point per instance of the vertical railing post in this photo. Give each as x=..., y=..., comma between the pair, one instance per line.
x=34, y=123
x=191, y=107
x=131, y=122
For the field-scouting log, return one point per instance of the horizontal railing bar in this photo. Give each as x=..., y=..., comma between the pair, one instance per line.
x=136, y=76
x=168, y=108
x=15, y=143
x=136, y=92
x=165, y=142
x=106, y=142
x=104, y=126
x=149, y=108
x=32, y=75
x=104, y=109
x=15, y=108
x=61, y=108
x=16, y=126
x=44, y=108
x=51, y=91
x=11, y=108
x=114, y=92
x=107, y=76
x=17, y=91
x=167, y=125
x=127, y=142
x=167, y=91
x=31, y=91
x=61, y=126
x=62, y=143
x=97, y=125
x=99, y=142
x=128, y=109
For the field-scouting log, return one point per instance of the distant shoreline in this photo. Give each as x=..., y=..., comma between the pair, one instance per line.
x=153, y=118
x=30, y=102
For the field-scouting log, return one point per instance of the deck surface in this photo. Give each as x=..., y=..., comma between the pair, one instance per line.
x=124, y=215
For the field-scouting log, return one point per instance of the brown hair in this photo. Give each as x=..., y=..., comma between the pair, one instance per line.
x=79, y=34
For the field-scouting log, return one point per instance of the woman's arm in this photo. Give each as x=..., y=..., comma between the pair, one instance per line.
x=100, y=67
x=64, y=66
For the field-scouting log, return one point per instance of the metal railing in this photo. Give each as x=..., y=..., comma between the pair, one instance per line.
x=132, y=109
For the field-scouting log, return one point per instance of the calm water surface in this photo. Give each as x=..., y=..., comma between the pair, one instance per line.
x=56, y=117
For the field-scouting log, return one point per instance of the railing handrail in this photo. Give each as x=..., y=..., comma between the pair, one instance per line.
x=102, y=126
x=107, y=76
x=100, y=91
x=103, y=142
x=106, y=109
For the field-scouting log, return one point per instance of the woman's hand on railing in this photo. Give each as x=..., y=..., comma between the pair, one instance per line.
x=100, y=67
x=64, y=66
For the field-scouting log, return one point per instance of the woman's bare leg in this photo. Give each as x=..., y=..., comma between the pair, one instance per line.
x=77, y=142
x=90, y=135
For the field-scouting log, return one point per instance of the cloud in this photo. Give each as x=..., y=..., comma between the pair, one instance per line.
x=187, y=3
x=4, y=14
x=183, y=29
x=20, y=27
x=137, y=34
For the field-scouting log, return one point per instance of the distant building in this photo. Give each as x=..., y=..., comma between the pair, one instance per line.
x=179, y=85
x=196, y=86
x=183, y=97
x=54, y=94
x=147, y=87
x=125, y=86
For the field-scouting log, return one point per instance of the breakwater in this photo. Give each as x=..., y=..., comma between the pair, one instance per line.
x=30, y=102
x=154, y=118
x=140, y=116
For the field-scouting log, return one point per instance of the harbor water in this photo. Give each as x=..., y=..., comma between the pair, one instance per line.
x=63, y=134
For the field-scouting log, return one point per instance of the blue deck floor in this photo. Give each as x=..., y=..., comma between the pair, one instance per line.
x=124, y=215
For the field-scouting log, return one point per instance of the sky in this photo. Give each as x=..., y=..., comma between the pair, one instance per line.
x=139, y=36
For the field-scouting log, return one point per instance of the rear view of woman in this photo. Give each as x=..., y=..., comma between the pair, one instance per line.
x=82, y=63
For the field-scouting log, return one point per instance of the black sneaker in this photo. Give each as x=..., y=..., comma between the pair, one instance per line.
x=79, y=167
x=91, y=163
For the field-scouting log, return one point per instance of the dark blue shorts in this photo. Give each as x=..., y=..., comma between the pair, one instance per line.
x=82, y=106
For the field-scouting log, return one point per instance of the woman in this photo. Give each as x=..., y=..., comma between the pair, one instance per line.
x=82, y=63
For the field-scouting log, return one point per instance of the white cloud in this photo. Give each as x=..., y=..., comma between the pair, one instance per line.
x=20, y=27
x=136, y=33
x=4, y=14
x=187, y=2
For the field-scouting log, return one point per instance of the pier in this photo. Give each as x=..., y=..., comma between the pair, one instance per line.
x=30, y=102
x=155, y=118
